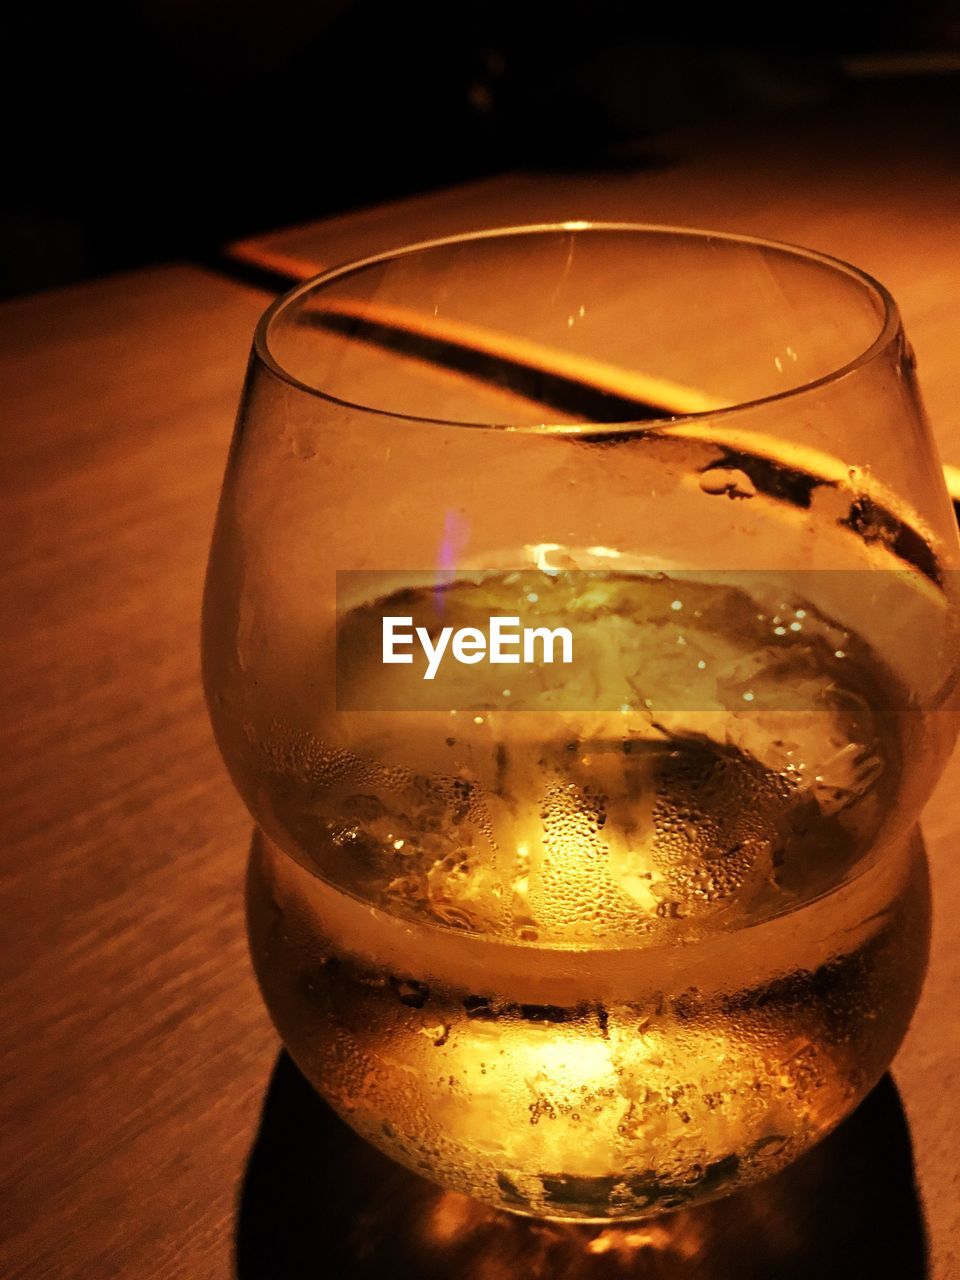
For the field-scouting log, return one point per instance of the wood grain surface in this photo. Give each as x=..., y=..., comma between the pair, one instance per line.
x=135, y=1047
x=136, y=1055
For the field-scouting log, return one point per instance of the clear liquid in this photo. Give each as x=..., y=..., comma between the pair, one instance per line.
x=597, y=963
x=708, y=758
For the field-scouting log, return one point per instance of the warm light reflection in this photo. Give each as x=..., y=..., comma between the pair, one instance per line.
x=677, y=1235
x=578, y=1101
x=508, y=1246
x=454, y=1217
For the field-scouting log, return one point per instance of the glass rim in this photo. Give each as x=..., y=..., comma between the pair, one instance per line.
x=889, y=325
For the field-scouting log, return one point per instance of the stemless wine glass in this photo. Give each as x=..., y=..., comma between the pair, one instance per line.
x=596, y=936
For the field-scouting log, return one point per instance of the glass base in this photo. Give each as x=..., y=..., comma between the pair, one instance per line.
x=716, y=1069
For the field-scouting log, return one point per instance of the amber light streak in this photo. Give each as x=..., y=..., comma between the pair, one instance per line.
x=642, y=391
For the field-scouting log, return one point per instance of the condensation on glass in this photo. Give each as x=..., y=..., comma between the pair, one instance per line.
x=646, y=932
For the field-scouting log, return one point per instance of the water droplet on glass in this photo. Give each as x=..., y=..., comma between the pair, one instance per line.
x=729, y=480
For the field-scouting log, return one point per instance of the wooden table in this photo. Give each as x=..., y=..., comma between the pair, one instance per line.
x=136, y=1052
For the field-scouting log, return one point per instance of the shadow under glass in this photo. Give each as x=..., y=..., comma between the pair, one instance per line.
x=317, y=1200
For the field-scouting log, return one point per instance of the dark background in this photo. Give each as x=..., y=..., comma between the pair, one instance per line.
x=141, y=130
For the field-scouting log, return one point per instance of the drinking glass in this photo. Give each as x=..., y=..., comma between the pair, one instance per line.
x=589, y=934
